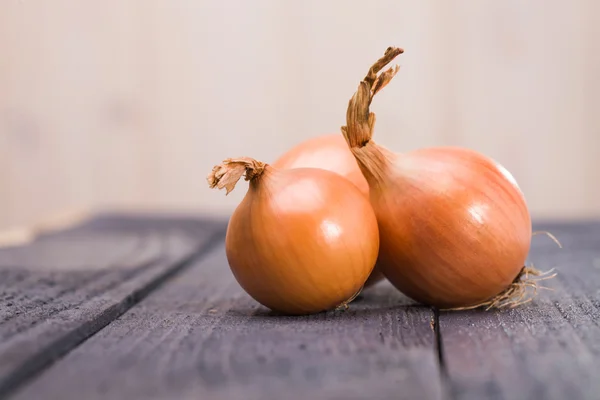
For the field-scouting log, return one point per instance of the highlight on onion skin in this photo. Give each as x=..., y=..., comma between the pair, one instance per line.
x=329, y=152
x=302, y=240
x=454, y=227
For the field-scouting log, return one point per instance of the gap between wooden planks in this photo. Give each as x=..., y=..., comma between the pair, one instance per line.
x=200, y=336
x=65, y=286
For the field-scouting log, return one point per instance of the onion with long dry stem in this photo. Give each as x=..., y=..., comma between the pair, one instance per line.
x=302, y=240
x=329, y=152
x=454, y=227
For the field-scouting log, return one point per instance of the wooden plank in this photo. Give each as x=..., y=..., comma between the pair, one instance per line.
x=548, y=349
x=200, y=336
x=64, y=287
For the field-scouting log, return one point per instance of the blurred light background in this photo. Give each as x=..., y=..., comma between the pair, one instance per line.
x=128, y=104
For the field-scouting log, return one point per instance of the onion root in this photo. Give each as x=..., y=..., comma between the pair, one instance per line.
x=517, y=293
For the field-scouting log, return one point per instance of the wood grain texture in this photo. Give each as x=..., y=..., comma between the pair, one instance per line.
x=549, y=349
x=200, y=336
x=64, y=287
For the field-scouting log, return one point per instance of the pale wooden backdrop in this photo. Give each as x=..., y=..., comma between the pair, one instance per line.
x=129, y=103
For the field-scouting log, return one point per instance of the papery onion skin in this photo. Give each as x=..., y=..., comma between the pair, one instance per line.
x=455, y=230
x=329, y=152
x=302, y=240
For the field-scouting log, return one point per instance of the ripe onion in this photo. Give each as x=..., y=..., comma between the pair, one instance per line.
x=328, y=152
x=302, y=240
x=454, y=226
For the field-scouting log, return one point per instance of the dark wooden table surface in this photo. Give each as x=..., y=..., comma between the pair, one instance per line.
x=145, y=307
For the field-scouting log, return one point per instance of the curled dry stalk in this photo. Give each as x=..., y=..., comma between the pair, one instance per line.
x=360, y=121
x=229, y=172
x=523, y=288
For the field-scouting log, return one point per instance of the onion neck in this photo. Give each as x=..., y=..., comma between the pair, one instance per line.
x=372, y=159
x=374, y=162
x=227, y=174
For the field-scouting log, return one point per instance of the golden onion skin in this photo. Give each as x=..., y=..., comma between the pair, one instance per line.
x=329, y=152
x=302, y=240
x=454, y=227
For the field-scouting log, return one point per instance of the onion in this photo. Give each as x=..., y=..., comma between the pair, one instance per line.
x=328, y=152
x=302, y=240
x=454, y=227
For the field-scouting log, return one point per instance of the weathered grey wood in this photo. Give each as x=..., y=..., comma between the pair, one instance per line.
x=549, y=349
x=200, y=337
x=64, y=287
